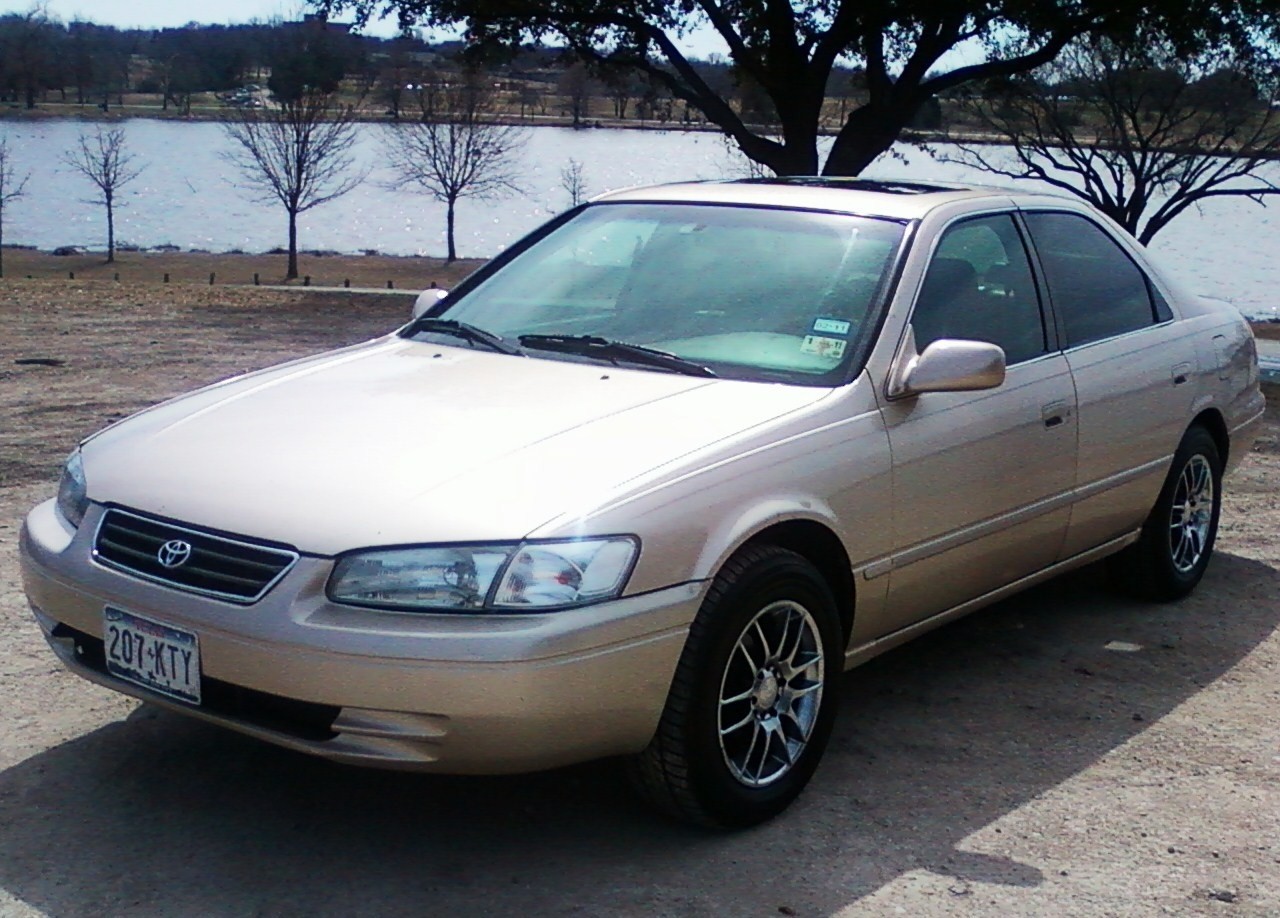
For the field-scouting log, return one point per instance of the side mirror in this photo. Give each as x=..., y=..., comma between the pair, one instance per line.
x=426, y=299
x=948, y=365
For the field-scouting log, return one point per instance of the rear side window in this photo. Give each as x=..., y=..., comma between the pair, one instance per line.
x=1096, y=289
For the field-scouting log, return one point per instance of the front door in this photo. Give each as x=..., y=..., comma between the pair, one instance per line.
x=981, y=480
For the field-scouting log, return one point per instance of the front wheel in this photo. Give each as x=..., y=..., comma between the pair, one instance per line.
x=753, y=699
x=1177, y=539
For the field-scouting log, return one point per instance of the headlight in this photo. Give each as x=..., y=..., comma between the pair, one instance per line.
x=502, y=577
x=565, y=573
x=73, y=500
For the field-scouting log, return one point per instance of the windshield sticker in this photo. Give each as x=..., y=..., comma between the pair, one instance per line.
x=831, y=348
x=831, y=327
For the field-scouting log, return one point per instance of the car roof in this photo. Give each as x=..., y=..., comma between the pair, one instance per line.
x=902, y=200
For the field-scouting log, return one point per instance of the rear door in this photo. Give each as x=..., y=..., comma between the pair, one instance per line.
x=1133, y=368
x=982, y=480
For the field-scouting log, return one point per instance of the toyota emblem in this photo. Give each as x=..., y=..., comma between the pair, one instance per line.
x=174, y=553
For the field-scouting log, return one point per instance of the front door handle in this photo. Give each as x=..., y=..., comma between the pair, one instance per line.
x=1055, y=414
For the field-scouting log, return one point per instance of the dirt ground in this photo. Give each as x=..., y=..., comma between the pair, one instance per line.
x=1013, y=763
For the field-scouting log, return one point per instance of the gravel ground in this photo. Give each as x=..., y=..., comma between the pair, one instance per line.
x=1012, y=763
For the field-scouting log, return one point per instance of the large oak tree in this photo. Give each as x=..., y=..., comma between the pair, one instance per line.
x=789, y=47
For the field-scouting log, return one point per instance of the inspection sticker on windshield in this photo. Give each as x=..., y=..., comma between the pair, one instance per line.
x=831, y=327
x=832, y=348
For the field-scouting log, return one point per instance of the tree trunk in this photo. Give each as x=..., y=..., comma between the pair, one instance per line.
x=292, y=273
x=111, y=230
x=1, y=243
x=453, y=252
x=869, y=132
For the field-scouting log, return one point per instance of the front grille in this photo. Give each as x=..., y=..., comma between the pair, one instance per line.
x=216, y=565
x=306, y=720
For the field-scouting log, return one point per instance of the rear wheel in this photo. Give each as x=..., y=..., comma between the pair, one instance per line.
x=1177, y=539
x=753, y=699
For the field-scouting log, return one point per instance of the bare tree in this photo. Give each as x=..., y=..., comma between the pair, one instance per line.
x=456, y=150
x=11, y=188
x=1142, y=134
x=296, y=150
x=574, y=181
x=102, y=158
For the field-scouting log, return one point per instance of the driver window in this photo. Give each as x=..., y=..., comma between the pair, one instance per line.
x=979, y=287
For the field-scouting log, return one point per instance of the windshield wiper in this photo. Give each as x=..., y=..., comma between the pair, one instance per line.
x=591, y=346
x=464, y=331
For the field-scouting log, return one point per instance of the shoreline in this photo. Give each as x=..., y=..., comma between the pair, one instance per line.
x=70, y=111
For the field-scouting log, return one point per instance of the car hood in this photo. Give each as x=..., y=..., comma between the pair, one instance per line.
x=397, y=442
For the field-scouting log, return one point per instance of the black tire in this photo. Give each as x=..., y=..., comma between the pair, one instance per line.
x=686, y=770
x=1169, y=559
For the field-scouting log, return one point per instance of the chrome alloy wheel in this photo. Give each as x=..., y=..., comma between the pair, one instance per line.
x=1191, y=514
x=771, y=693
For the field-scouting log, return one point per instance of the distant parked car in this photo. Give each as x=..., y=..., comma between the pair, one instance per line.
x=647, y=482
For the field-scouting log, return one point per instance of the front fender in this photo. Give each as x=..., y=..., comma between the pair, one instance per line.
x=830, y=466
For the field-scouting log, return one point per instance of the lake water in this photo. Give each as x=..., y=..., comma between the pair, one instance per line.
x=190, y=196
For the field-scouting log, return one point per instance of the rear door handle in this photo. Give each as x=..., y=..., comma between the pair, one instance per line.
x=1181, y=373
x=1055, y=414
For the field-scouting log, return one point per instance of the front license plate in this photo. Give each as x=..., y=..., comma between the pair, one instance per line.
x=151, y=654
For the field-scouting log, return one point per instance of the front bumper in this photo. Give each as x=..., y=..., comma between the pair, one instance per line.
x=463, y=694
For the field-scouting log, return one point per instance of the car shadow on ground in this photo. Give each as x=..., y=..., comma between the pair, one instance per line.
x=157, y=814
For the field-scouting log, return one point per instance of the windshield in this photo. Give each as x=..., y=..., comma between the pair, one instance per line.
x=750, y=293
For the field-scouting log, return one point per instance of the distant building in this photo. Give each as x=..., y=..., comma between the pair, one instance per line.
x=320, y=23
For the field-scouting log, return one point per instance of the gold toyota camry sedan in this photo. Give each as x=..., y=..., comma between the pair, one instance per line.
x=649, y=481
